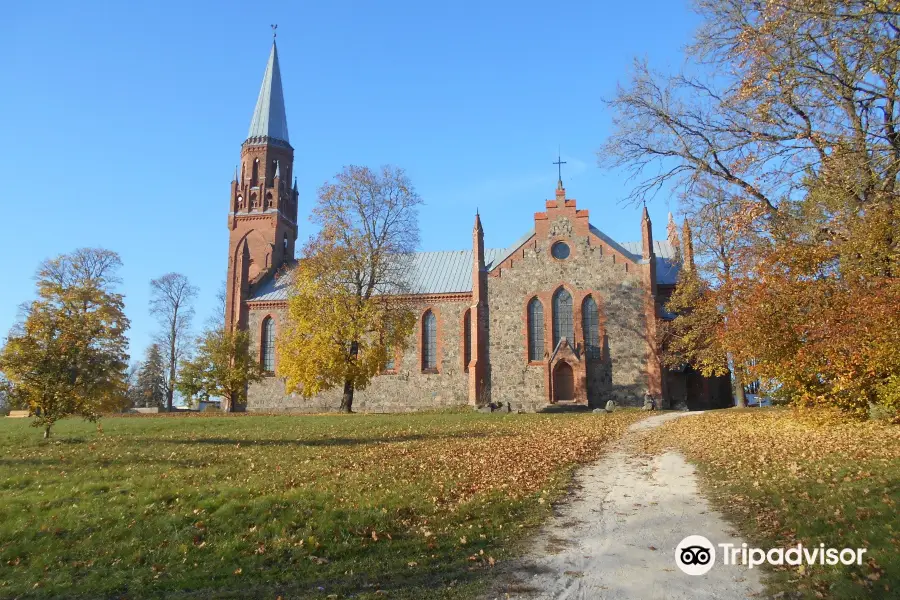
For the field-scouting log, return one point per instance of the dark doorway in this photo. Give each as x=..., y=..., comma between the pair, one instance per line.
x=563, y=383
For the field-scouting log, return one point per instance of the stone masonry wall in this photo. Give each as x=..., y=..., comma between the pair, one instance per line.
x=620, y=374
x=405, y=389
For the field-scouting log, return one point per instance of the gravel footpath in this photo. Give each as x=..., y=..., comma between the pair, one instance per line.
x=616, y=535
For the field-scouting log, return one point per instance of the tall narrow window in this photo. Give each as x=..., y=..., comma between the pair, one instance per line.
x=467, y=340
x=390, y=361
x=535, y=330
x=270, y=174
x=590, y=324
x=268, y=345
x=254, y=178
x=429, y=341
x=562, y=317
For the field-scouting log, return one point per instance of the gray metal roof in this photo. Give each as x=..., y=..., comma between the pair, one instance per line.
x=662, y=249
x=623, y=248
x=443, y=272
x=269, y=117
x=667, y=265
x=450, y=271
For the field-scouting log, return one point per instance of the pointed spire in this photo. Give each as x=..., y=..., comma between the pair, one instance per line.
x=672, y=234
x=235, y=172
x=646, y=234
x=269, y=117
x=688, y=247
x=479, y=274
x=295, y=183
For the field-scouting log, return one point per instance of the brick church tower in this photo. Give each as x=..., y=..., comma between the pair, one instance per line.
x=262, y=217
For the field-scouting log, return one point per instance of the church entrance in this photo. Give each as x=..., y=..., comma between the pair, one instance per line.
x=563, y=383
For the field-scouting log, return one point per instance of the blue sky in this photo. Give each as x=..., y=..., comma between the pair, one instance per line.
x=122, y=121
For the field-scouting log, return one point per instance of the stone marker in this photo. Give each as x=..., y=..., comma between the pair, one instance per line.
x=18, y=414
x=610, y=406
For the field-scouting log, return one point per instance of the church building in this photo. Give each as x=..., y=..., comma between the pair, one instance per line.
x=563, y=316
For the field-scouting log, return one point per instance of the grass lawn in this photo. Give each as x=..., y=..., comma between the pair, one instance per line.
x=403, y=506
x=782, y=481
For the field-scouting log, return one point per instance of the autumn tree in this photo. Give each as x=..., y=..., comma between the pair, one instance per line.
x=792, y=107
x=223, y=366
x=820, y=305
x=68, y=354
x=347, y=307
x=171, y=302
x=149, y=386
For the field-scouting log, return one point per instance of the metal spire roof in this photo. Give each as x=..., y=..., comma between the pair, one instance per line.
x=269, y=118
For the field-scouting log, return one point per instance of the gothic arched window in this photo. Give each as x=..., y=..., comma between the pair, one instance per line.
x=429, y=341
x=562, y=317
x=467, y=340
x=254, y=178
x=268, y=345
x=535, y=330
x=590, y=325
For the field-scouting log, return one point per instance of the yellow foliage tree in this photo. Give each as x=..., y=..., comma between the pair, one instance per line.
x=348, y=306
x=68, y=356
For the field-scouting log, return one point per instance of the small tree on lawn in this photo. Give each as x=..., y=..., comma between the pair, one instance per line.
x=150, y=380
x=222, y=367
x=171, y=302
x=346, y=309
x=67, y=356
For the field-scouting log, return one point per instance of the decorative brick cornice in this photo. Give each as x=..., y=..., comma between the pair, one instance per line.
x=431, y=298
x=423, y=298
x=266, y=141
x=266, y=304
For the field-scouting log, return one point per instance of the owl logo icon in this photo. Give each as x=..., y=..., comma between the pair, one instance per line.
x=695, y=555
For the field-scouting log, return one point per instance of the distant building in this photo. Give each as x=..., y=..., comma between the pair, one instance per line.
x=565, y=315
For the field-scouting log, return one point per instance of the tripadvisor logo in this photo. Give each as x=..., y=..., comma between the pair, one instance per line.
x=696, y=555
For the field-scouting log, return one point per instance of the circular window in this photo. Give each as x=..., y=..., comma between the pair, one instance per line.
x=560, y=250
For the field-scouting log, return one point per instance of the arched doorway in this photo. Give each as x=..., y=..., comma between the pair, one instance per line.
x=563, y=383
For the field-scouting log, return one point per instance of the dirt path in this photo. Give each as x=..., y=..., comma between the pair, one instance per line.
x=615, y=537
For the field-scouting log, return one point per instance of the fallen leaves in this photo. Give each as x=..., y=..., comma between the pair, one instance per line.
x=786, y=480
x=447, y=492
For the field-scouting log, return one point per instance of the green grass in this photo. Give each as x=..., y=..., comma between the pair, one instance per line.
x=414, y=506
x=783, y=480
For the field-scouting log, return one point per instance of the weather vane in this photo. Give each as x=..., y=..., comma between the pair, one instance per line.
x=274, y=31
x=559, y=163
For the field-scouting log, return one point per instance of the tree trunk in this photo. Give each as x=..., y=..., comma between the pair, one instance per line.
x=170, y=392
x=347, y=398
x=738, y=383
x=46, y=431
